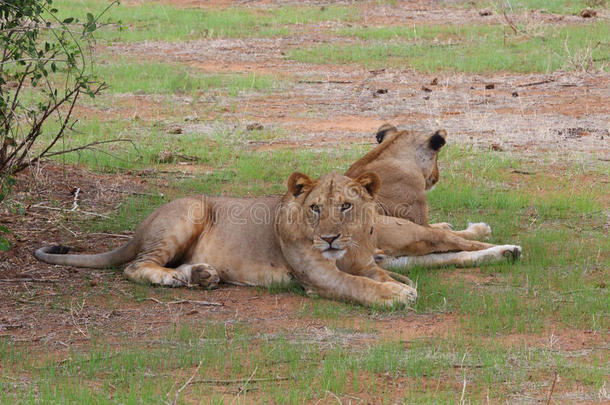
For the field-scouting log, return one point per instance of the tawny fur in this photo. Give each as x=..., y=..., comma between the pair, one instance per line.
x=204, y=240
x=323, y=233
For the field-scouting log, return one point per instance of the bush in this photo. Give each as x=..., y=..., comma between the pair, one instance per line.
x=45, y=66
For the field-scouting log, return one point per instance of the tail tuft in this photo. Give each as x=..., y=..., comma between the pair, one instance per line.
x=57, y=250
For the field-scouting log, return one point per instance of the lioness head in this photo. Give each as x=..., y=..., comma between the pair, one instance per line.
x=335, y=212
x=422, y=148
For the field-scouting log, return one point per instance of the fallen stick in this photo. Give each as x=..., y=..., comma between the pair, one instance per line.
x=239, y=381
x=27, y=280
x=548, y=401
x=536, y=83
x=325, y=81
x=66, y=210
x=190, y=380
x=207, y=303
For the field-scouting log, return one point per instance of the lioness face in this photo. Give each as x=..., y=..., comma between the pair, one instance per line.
x=336, y=210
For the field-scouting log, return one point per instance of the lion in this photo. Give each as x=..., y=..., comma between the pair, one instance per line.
x=323, y=233
x=318, y=232
x=407, y=164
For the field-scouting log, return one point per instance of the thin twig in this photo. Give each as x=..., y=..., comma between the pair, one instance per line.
x=75, y=203
x=326, y=81
x=195, y=302
x=536, y=83
x=243, y=387
x=548, y=400
x=177, y=395
x=87, y=146
x=95, y=214
x=27, y=280
x=239, y=381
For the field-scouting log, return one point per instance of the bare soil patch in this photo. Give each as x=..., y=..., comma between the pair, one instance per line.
x=524, y=112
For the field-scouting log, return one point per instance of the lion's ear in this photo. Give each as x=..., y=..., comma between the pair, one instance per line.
x=370, y=181
x=437, y=140
x=298, y=183
x=385, y=130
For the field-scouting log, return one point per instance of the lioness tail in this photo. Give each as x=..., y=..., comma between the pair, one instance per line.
x=58, y=255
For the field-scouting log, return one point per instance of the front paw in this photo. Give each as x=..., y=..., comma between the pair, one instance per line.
x=205, y=276
x=398, y=293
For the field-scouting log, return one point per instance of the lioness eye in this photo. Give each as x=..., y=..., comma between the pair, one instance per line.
x=315, y=208
x=346, y=206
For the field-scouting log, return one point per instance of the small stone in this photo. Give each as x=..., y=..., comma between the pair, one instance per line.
x=484, y=13
x=588, y=13
x=515, y=94
x=434, y=81
x=254, y=126
x=496, y=147
x=93, y=283
x=192, y=312
x=426, y=97
x=490, y=86
x=165, y=157
x=193, y=117
x=175, y=130
x=426, y=89
x=381, y=91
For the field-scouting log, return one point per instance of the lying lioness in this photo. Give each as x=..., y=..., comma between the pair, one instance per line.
x=406, y=162
x=323, y=233
x=320, y=232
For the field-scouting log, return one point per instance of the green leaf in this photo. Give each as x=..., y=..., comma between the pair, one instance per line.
x=4, y=229
x=68, y=20
x=5, y=245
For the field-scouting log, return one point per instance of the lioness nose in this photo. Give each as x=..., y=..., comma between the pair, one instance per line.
x=330, y=238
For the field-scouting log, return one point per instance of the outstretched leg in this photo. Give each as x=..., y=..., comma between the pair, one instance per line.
x=477, y=231
x=458, y=259
x=398, y=237
x=404, y=243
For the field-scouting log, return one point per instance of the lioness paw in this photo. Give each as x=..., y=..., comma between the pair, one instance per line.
x=398, y=293
x=481, y=230
x=511, y=252
x=205, y=276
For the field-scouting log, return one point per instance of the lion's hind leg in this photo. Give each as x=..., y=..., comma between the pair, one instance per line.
x=189, y=275
x=168, y=239
x=458, y=259
x=476, y=231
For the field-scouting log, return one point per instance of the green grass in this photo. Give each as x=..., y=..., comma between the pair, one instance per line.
x=167, y=78
x=558, y=277
x=555, y=6
x=474, y=49
x=310, y=371
x=558, y=214
x=155, y=21
x=565, y=7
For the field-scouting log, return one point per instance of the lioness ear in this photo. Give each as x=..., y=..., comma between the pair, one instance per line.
x=298, y=183
x=383, y=131
x=437, y=140
x=370, y=181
